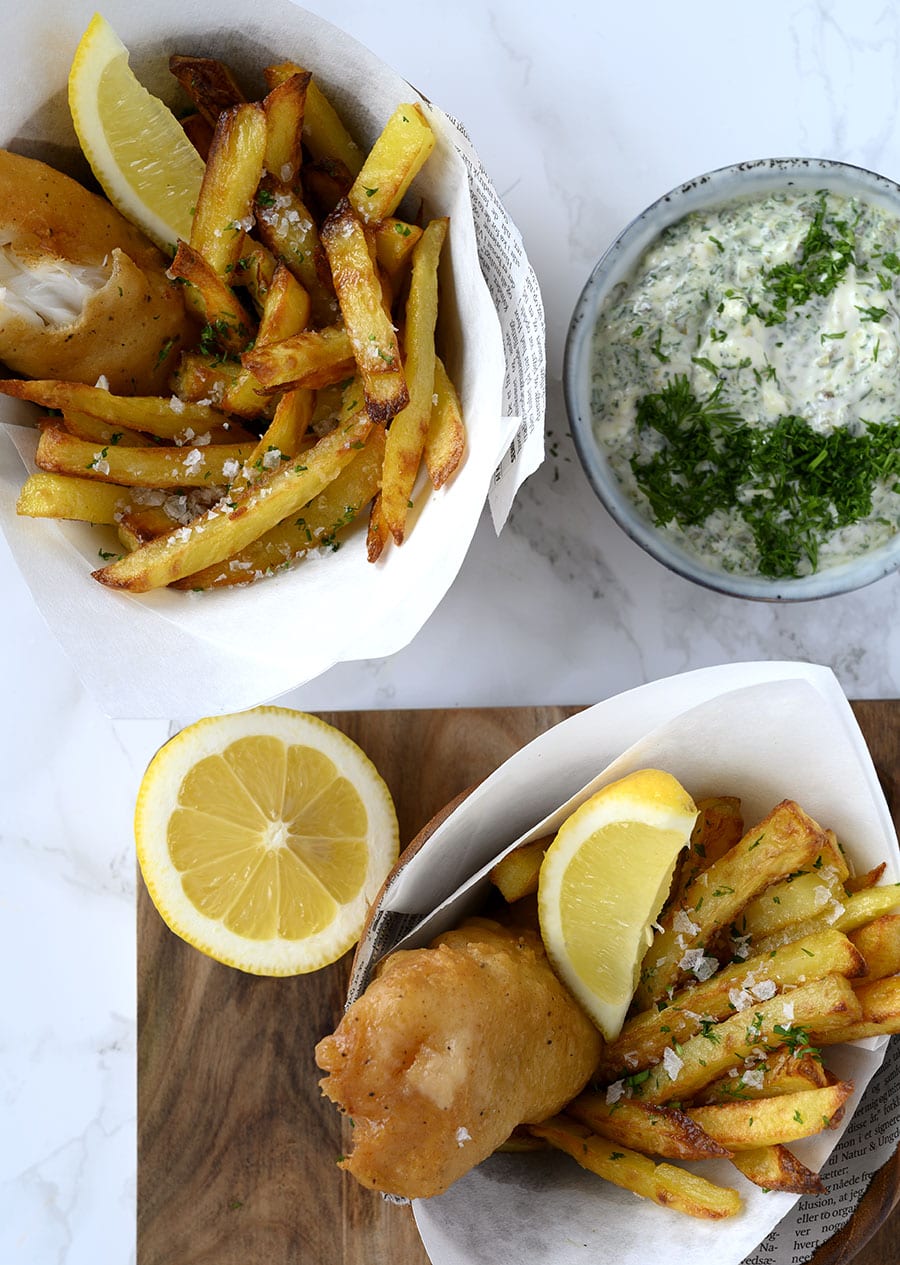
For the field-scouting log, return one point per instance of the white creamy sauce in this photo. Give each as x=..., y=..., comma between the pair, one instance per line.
x=699, y=305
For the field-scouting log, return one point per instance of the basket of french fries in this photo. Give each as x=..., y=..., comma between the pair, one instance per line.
x=315, y=429
x=749, y=1093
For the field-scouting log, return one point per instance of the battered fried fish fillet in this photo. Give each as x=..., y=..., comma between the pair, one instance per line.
x=82, y=292
x=449, y=1049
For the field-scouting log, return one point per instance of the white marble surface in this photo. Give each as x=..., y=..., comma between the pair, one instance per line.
x=583, y=113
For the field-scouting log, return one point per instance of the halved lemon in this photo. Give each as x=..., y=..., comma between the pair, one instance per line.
x=602, y=883
x=136, y=147
x=263, y=837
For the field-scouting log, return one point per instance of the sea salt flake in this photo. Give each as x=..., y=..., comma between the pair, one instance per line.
x=463, y=1135
x=231, y=469
x=764, y=990
x=754, y=1077
x=193, y=461
x=176, y=405
x=788, y=1011
x=672, y=1063
x=682, y=923
x=740, y=998
x=696, y=961
x=102, y=383
x=615, y=1091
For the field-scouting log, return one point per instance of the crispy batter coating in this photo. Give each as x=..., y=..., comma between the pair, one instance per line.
x=449, y=1049
x=130, y=321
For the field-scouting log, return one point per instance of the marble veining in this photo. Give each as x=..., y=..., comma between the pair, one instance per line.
x=584, y=114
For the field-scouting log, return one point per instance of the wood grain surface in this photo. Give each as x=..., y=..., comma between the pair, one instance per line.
x=236, y=1147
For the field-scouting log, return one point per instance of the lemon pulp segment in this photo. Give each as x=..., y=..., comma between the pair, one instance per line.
x=264, y=861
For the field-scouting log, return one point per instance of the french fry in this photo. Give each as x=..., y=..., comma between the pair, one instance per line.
x=377, y=534
x=803, y=895
x=324, y=134
x=286, y=308
x=445, y=442
x=209, y=83
x=46, y=495
x=822, y=1006
x=368, y=325
x=879, y=943
x=392, y=164
x=782, y=1072
x=83, y=426
x=320, y=524
x=228, y=324
x=777, y=1168
x=646, y=1035
x=62, y=453
x=288, y=229
x=284, y=108
x=517, y=873
x=222, y=533
x=743, y=1126
x=315, y=358
x=871, y=902
x=879, y=1014
x=859, y=882
x=394, y=244
x=233, y=172
x=784, y=841
x=718, y=828
x=663, y=1131
x=288, y=428
x=255, y=270
x=201, y=377
x=406, y=438
x=165, y=418
x=664, y=1184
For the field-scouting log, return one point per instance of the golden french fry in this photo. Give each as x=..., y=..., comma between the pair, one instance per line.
x=718, y=828
x=83, y=426
x=205, y=466
x=781, y=1072
x=323, y=132
x=209, y=83
x=517, y=873
x=879, y=943
x=315, y=358
x=233, y=172
x=784, y=841
x=445, y=442
x=165, y=418
x=201, y=377
x=663, y=1183
x=777, y=1168
x=392, y=164
x=289, y=230
x=859, y=882
x=284, y=107
x=377, y=535
x=645, y=1036
x=255, y=270
x=804, y=894
x=663, y=1131
x=319, y=525
x=368, y=325
x=822, y=1006
x=406, y=438
x=223, y=532
x=871, y=902
x=284, y=436
x=228, y=323
x=879, y=1014
x=743, y=1126
x=61, y=496
x=394, y=244
x=286, y=308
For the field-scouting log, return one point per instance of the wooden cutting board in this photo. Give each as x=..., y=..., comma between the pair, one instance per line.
x=236, y=1147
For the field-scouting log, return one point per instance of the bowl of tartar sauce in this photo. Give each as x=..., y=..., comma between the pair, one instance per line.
x=732, y=378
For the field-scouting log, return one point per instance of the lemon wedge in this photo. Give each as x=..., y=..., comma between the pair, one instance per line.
x=136, y=147
x=602, y=883
x=263, y=837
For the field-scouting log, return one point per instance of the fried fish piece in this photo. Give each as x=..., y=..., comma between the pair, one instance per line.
x=83, y=294
x=450, y=1048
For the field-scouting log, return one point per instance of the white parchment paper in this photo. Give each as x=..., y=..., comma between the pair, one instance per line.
x=762, y=731
x=174, y=653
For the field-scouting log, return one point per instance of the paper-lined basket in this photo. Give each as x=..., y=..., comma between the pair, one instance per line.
x=182, y=654
x=765, y=732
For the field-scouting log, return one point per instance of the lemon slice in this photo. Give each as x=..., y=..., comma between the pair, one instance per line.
x=604, y=880
x=263, y=837
x=136, y=147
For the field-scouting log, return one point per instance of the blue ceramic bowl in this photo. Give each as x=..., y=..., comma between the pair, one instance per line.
x=711, y=190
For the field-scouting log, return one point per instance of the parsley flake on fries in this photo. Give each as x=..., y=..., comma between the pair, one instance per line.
x=313, y=390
